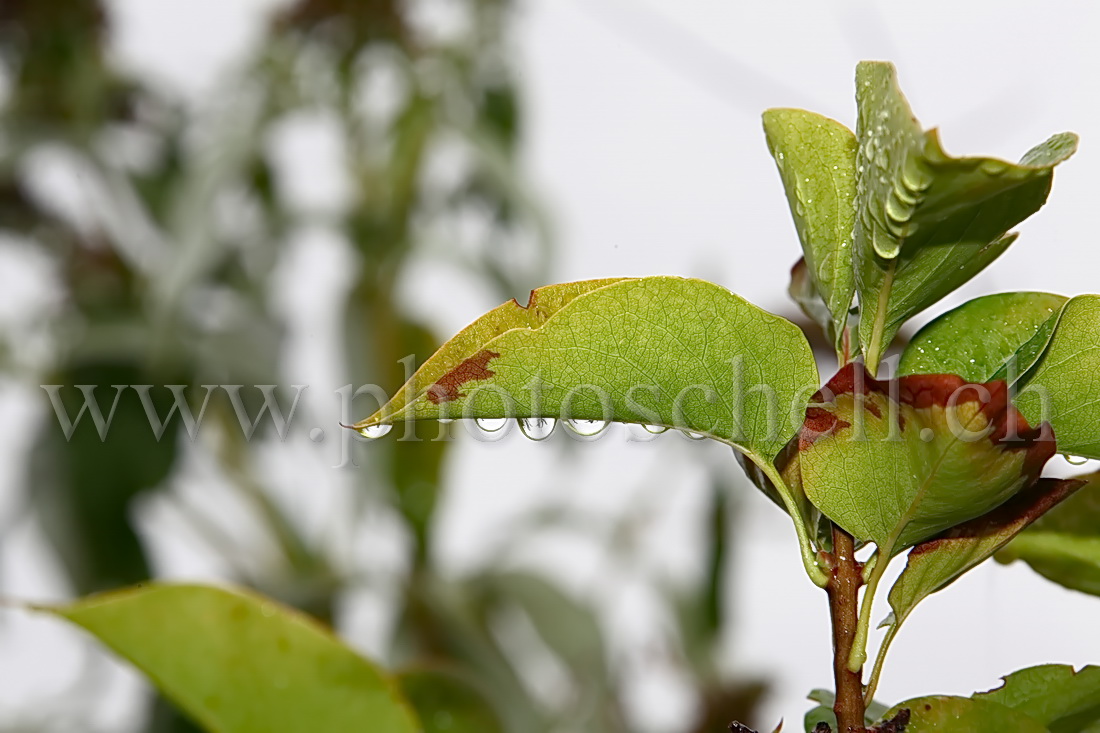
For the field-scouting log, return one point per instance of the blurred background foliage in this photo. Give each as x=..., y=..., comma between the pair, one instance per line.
x=166, y=256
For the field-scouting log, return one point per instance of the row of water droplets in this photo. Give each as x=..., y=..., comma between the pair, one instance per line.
x=537, y=428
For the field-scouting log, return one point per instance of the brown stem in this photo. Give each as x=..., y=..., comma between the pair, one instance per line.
x=843, y=590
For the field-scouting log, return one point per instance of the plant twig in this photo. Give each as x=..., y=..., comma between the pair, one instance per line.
x=843, y=590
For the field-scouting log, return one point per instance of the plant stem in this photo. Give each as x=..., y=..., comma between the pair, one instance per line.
x=843, y=590
x=876, y=671
x=863, y=630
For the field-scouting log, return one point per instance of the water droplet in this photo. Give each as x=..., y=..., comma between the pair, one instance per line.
x=375, y=431
x=693, y=436
x=656, y=429
x=491, y=424
x=587, y=428
x=537, y=428
x=926, y=434
x=1075, y=460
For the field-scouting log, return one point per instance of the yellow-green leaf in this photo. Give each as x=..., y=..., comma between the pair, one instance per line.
x=896, y=463
x=944, y=714
x=240, y=663
x=816, y=157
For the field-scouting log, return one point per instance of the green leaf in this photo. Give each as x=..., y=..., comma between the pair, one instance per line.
x=924, y=216
x=240, y=663
x=935, y=564
x=944, y=714
x=893, y=291
x=889, y=140
x=1063, y=388
x=816, y=157
x=898, y=462
x=992, y=337
x=1054, y=694
x=1064, y=544
x=666, y=351
x=446, y=702
x=823, y=713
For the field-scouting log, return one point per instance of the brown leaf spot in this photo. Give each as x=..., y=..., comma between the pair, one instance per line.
x=819, y=423
x=472, y=369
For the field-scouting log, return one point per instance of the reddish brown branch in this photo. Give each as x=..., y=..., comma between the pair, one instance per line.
x=843, y=590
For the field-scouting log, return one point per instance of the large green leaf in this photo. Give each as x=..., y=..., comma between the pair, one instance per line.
x=1063, y=387
x=927, y=222
x=935, y=564
x=240, y=663
x=898, y=462
x=816, y=157
x=993, y=337
x=1054, y=694
x=662, y=351
x=1064, y=544
x=944, y=714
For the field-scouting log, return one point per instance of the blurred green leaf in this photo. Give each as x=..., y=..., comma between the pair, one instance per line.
x=816, y=157
x=85, y=486
x=446, y=702
x=1064, y=700
x=241, y=663
x=992, y=337
x=1064, y=544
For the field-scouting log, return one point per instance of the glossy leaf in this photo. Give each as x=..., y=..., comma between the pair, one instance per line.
x=924, y=216
x=944, y=714
x=935, y=564
x=816, y=157
x=660, y=350
x=1063, y=386
x=447, y=703
x=893, y=291
x=239, y=663
x=1064, y=544
x=1054, y=694
x=896, y=463
x=993, y=337
x=889, y=143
